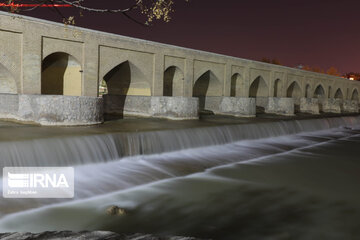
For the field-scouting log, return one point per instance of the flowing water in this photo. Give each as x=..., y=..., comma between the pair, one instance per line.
x=295, y=179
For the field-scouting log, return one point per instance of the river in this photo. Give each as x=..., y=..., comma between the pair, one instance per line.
x=278, y=179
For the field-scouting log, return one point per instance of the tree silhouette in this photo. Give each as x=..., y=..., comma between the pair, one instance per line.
x=151, y=9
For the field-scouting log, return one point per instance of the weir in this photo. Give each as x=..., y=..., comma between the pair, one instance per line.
x=87, y=149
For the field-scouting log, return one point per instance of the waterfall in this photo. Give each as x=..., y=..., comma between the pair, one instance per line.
x=78, y=150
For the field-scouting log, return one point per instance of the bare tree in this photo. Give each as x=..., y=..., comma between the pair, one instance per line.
x=151, y=9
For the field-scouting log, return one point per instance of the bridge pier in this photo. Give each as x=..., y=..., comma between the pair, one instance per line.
x=234, y=106
x=350, y=106
x=176, y=108
x=51, y=109
x=309, y=105
x=276, y=105
x=331, y=105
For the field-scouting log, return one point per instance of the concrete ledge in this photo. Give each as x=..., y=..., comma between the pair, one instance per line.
x=240, y=107
x=176, y=108
x=233, y=106
x=280, y=106
x=350, y=106
x=52, y=109
x=9, y=105
x=309, y=105
x=331, y=105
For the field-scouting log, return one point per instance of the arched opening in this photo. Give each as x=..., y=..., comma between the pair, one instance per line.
x=121, y=82
x=61, y=75
x=355, y=95
x=319, y=92
x=294, y=91
x=118, y=79
x=235, y=85
x=173, y=82
x=277, y=88
x=308, y=91
x=207, y=85
x=7, y=81
x=258, y=88
x=339, y=94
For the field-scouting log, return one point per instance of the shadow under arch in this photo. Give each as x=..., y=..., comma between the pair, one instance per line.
x=61, y=75
x=173, y=82
x=308, y=91
x=319, y=93
x=118, y=79
x=235, y=86
x=7, y=81
x=207, y=85
x=339, y=94
x=294, y=90
x=355, y=95
x=277, y=87
x=115, y=87
x=258, y=88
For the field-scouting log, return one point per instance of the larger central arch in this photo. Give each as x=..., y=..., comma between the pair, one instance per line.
x=118, y=79
x=259, y=88
x=319, y=92
x=339, y=94
x=277, y=87
x=207, y=85
x=294, y=90
x=173, y=82
x=355, y=95
x=235, y=87
x=61, y=75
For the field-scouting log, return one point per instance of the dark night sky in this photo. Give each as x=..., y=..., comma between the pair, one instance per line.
x=319, y=33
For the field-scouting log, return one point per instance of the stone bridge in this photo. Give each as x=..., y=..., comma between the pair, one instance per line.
x=56, y=74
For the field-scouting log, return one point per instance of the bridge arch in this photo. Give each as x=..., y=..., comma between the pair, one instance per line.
x=119, y=81
x=294, y=90
x=277, y=87
x=355, y=95
x=61, y=75
x=339, y=94
x=207, y=85
x=173, y=82
x=308, y=91
x=319, y=91
x=235, y=89
x=7, y=81
x=259, y=88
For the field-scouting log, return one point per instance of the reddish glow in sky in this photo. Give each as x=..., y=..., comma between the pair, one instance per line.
x=321, y=33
